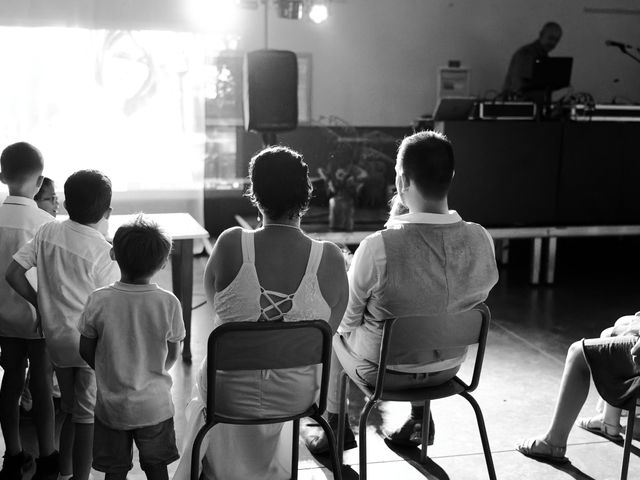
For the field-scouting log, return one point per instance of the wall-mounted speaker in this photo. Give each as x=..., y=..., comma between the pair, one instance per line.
x=271, y=91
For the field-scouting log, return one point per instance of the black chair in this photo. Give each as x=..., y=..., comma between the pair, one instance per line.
x=434, y=337
x=628, y=436
x=265, y=346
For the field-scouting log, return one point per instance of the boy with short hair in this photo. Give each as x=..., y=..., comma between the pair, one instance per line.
x=72, y=260
x=21, y=168
x=131, y=333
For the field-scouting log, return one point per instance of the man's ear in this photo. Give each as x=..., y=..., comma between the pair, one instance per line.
x=2, y=178
x=112, y=254
x=40, y=180
x=404, y=182
x=107, y=213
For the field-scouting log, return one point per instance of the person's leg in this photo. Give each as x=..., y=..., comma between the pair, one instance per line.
x=157, y=447
x=67, y=432
x=14, y=363
x=112, y=451
x=574, y=388
x=410, y=432
x=43, y=412
x=84, y=396
x=82, y=450
x=341, y=360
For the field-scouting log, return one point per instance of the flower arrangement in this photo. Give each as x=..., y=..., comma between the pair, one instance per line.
x=343, y=176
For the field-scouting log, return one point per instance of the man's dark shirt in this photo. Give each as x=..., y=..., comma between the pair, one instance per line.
x=520, y=71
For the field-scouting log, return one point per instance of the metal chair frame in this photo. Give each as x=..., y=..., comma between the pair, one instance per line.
x=271, y=337
x=426, y=394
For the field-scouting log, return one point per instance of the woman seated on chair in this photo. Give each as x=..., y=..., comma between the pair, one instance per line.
x=613, y=360
x=275, y=273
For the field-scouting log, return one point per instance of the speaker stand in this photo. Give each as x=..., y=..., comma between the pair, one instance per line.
x=268, y=139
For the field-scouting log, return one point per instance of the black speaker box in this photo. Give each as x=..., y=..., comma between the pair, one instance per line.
x=271, y=91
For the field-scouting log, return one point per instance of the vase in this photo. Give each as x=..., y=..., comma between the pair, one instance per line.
x=341, y=212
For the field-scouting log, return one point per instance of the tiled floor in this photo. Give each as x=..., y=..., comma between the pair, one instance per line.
x=532, y=328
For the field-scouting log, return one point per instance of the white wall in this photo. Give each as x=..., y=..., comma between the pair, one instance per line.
x=375, y=61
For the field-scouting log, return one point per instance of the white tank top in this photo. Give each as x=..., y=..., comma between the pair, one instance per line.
x=244, y=299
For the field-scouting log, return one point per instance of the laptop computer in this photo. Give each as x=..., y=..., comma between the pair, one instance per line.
x=454, y=108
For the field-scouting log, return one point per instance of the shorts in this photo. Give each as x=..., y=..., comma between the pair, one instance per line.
x=15, y=352
x=615, y=375
x=113, y=449
x=77, y=392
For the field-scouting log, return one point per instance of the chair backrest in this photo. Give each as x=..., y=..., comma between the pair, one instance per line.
x=425, y=339
x=268, y=345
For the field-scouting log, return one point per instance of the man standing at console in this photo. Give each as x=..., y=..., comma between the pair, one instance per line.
x=426, y=262
x=520, y=72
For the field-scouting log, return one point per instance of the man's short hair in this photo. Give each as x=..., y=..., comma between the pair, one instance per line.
x=141, y=247
x=87, y=196
x=21, y=161
x=427, y=159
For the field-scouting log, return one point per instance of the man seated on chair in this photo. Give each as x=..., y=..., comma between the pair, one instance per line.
x=425, y=262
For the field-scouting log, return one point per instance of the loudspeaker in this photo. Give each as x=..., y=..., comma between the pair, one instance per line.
x=271, y=90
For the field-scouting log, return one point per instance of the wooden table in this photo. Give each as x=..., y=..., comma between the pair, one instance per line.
x=184, y=229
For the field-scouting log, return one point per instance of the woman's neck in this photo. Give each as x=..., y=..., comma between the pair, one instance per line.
x=281, y=222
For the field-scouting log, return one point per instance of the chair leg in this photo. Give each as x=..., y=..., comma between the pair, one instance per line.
x=628, y=438
x=362, y=436
x=195, y=453
x=336, y=466
x=295, y=449
x=425, y=431
x=483, y=434
x=343, y=386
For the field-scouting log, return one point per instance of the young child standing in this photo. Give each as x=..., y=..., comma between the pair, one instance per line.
x=46, y=197
x=21, y=168
x=72, y=260
x=131, y=333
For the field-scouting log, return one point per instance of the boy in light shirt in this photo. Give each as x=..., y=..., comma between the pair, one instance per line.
x=21, y=168
x=72, y=260
x=131, y=333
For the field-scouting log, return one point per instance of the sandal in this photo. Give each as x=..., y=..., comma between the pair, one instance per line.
x=597, y=426
x=542, y=450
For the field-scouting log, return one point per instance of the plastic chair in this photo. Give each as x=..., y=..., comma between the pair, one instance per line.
x=445, y=336
x=262, y=346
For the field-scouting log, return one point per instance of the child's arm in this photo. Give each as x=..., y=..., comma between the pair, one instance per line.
x=172, y=354
x=88, y=350
x=15, y=277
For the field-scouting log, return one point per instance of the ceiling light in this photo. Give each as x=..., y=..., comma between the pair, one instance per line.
x=319, y=12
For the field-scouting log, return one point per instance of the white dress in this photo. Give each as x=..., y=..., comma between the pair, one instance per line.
x=246, y=452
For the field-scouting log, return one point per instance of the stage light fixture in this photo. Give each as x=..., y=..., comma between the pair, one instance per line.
x=319, y=11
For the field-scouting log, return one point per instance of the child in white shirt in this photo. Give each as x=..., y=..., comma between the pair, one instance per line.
x=131, y=333
x=72, y=260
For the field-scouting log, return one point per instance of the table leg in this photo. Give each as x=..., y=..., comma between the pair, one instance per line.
x=551, y=258
x=536, y=256
x=182, y=279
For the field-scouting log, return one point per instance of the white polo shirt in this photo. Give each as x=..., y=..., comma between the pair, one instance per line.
x=20, y=219
x=73, y=261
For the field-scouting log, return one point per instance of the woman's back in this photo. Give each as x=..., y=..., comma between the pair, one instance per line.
x=274, y=273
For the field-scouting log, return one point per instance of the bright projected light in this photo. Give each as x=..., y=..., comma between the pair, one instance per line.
x=127, y=103
x=319, y=13
x=217, y=15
